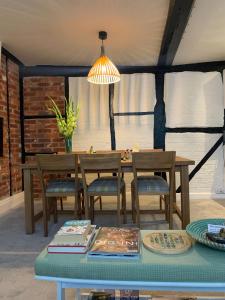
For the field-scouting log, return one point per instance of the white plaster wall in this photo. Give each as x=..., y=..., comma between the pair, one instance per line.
x=134, y=93
x=195, y=99
x=93, y=125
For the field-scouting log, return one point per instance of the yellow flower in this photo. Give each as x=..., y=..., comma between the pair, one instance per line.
x=67, y=124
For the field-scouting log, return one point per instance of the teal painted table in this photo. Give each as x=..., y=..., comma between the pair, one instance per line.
x=198, y=269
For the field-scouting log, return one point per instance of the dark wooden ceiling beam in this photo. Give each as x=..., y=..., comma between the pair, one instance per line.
x=178, y=16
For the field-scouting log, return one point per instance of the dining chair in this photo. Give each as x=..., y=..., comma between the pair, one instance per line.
x=50, y=166
x=113, y=185
x=148, y=162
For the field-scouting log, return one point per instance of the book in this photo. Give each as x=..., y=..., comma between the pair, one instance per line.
x=69, y=244
x=116, y=242
x=79, y=229
x=77, y=223
x=129, y=294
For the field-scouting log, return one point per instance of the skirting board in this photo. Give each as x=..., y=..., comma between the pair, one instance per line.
x=11, y=202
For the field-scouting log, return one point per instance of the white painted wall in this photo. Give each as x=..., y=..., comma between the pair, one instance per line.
x=195, y=99
x=209, y=181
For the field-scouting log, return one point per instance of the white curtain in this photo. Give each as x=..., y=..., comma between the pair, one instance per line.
x=134, y=93
x=93, y=125
x=194, y=99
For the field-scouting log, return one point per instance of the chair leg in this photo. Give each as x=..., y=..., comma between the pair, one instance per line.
x=92, y=203
x=76, y=206
x=170, y=212
x=82, y=202
x=61, y=203
x=45, y=215
x=167, y=208
x=124, y=205
x=79, y=204
x=118, y=210
x=160, y=202
x=100, y=203
x=133, y=204
x=99, y=197
x=48, y=209
x=137, y=208
x=55, y=215
x=86, y=206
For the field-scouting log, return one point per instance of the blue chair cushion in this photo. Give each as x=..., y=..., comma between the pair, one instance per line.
x=62, y=185
x=152, y=184
x=105, y=184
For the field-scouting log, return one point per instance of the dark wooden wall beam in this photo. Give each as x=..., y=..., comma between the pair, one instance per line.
x=178, y=15
x=68, y=71
x=83, y=71
x=159, y=114
x=111, y=117
x=10, y=56
x=211, y=130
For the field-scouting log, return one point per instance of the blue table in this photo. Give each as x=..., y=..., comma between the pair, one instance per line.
x=199, y=269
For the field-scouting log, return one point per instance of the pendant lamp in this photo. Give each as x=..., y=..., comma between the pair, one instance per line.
x=103, y=71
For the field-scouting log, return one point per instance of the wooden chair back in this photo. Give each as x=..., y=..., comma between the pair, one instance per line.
x=153, y=161
x=101, y=163
x=163, y=161
x=106, y=162
x=56, y=164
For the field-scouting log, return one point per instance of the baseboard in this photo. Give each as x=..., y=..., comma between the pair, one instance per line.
x=205, y=196
x=11, y=202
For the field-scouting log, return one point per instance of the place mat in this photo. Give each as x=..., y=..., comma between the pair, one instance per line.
x=167, y=241
x=198, y=229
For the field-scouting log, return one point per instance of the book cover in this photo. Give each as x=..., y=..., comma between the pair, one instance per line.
x=75, y=227
x=129, y=295
x=113, y=241
x=77, y=223
x=69, y=244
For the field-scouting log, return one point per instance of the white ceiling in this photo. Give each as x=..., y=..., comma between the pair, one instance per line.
x=204, y=37
x=65, y=32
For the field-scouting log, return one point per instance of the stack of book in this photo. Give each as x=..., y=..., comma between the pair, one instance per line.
x=113, y=242
x=74, y=236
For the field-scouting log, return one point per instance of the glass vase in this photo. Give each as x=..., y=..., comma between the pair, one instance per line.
x=68, y=144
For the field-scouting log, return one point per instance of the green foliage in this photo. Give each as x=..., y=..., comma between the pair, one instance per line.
x=66, y=125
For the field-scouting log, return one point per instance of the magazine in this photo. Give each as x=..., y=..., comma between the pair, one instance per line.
x=69, y=244
x=116, y=242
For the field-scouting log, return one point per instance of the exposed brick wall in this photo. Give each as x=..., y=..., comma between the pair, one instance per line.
x=41, y=135
x=37, y=91
x=14, y=123
x=4, y=161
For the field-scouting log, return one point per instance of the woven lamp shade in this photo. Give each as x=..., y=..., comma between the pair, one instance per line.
x=103, y=71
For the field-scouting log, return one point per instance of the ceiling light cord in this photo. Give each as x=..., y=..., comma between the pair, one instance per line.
x=102, y=49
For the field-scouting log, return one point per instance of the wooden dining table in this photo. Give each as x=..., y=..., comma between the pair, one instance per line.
x=181, y=166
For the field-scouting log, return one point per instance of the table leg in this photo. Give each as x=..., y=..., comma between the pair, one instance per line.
x=60, y=291
x=28, y=201
x=185, y=201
